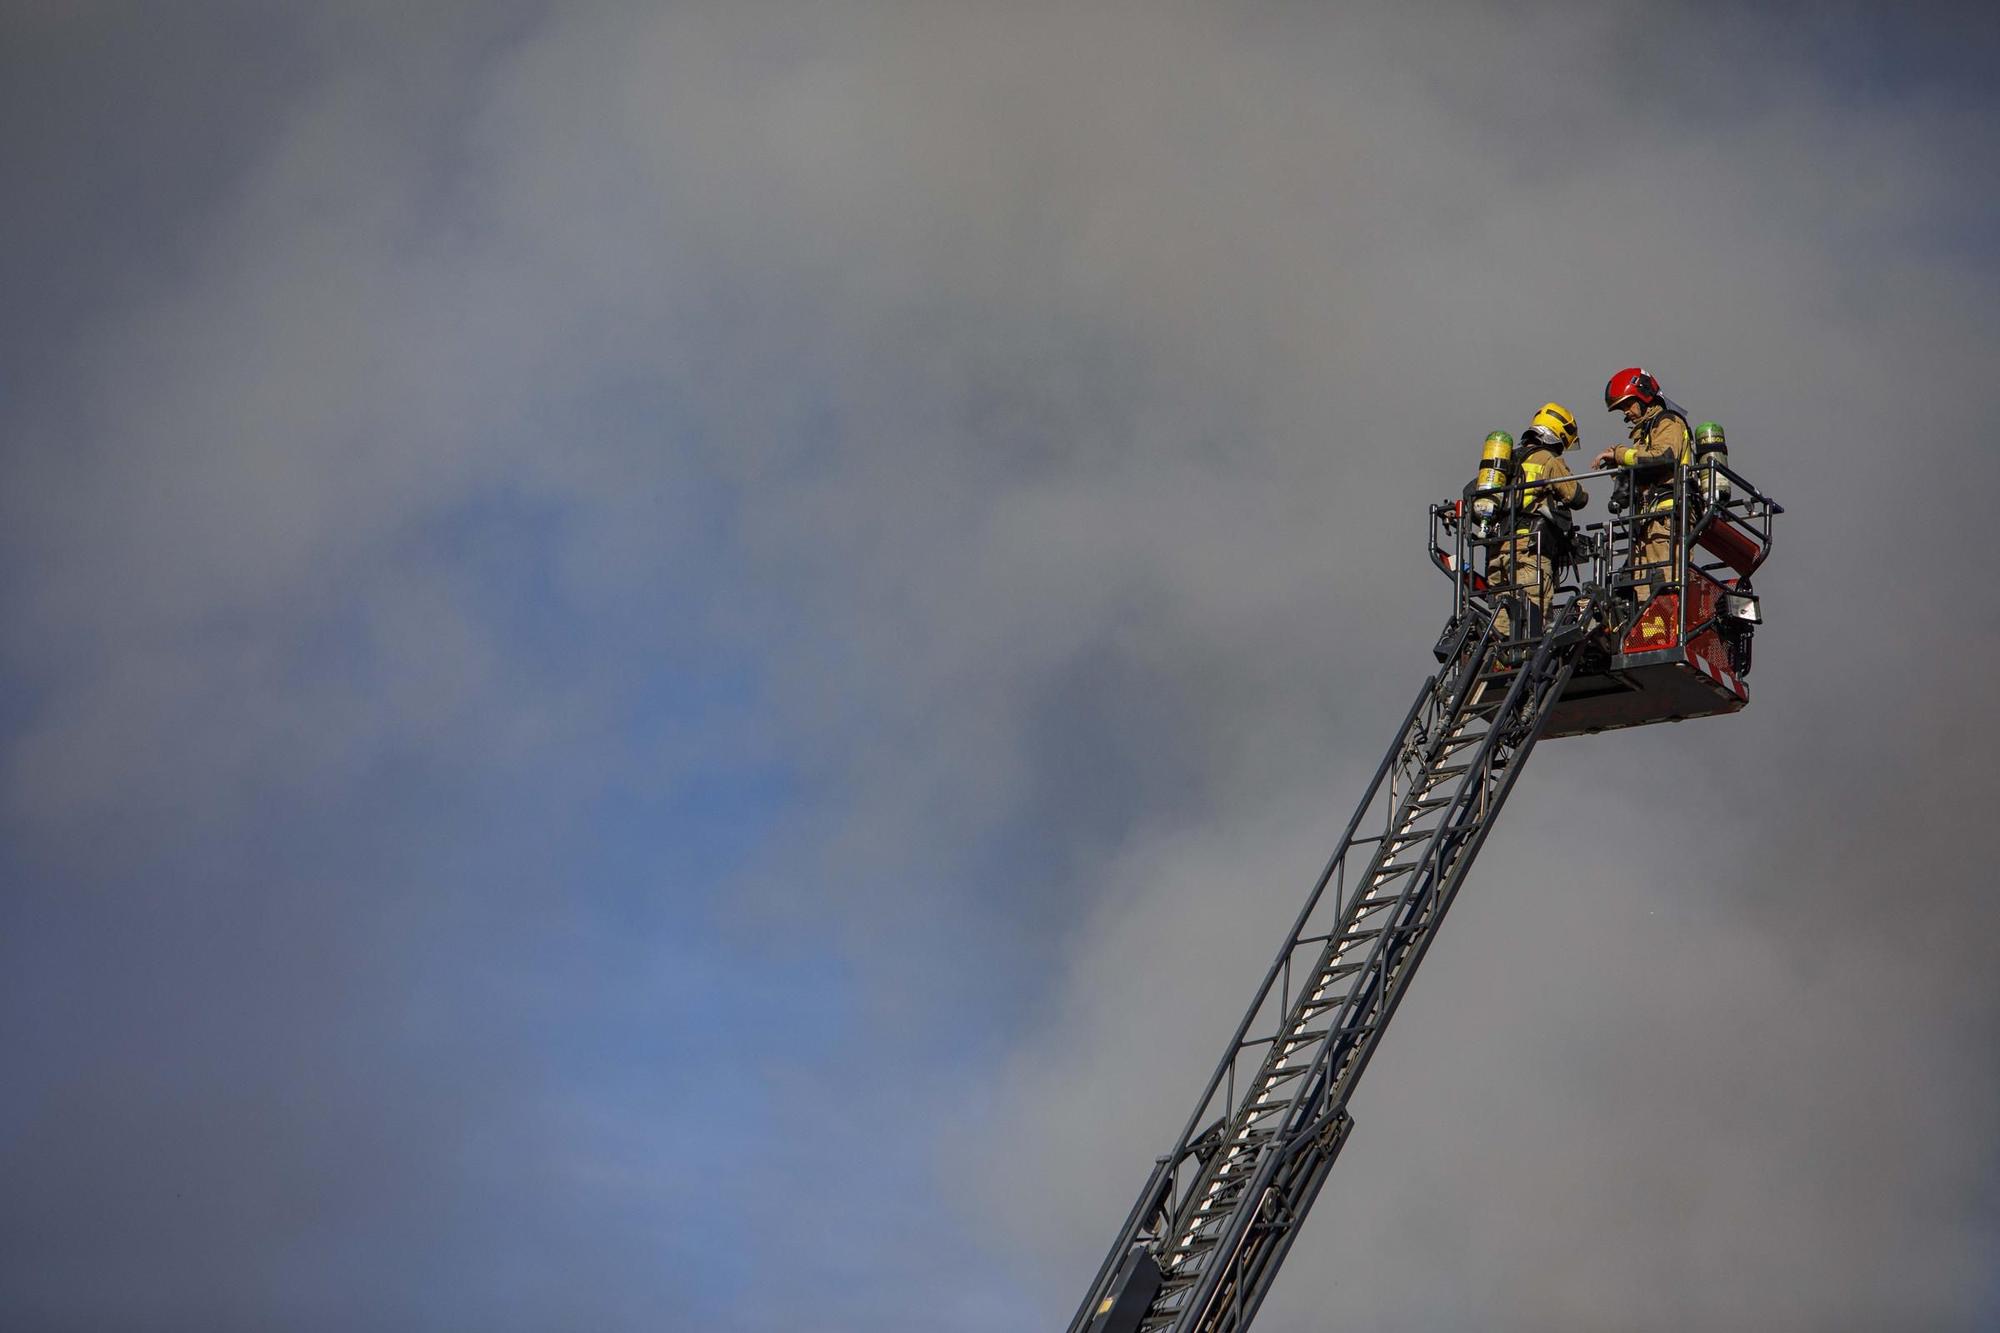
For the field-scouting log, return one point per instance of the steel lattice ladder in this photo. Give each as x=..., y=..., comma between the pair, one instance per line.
x=1204, y=1241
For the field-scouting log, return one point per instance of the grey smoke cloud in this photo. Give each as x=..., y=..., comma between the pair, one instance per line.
x=1011, y=428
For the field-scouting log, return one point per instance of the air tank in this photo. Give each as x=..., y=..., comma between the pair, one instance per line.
x=1496, y=471
x=1710, y=446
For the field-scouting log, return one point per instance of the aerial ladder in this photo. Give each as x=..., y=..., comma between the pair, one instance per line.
x=1204, y=1241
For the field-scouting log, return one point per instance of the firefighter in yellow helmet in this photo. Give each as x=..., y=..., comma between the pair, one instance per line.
x=1658, y=439
x=1528, y=561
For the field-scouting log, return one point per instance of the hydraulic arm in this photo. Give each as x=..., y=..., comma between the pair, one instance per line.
x=1203, y=1243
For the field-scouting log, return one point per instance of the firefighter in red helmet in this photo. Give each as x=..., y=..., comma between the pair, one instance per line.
x=1658, y=438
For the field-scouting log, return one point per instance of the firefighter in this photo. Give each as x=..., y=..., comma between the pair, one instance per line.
x=1659, y=439
x=1530, y=559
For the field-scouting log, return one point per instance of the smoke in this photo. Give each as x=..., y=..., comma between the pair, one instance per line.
x=674, y=668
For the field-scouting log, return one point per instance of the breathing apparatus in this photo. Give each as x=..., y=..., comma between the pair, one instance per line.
x=1496, y=473
x=1710, y=447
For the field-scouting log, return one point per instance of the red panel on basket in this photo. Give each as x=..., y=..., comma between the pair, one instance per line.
x=1733, y=547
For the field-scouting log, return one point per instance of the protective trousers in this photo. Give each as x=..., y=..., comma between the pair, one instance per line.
x=1652, y=554
x=1519, y=572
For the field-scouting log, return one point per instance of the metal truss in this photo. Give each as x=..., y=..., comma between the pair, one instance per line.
x=1202, y=1245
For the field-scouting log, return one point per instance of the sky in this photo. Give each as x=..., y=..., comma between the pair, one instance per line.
x=672, y=667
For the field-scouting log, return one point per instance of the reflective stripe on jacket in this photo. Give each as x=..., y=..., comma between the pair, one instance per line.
x=1660, y=439
x=1546, y=482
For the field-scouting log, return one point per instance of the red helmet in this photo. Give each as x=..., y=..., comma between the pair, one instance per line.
x=1631, y=382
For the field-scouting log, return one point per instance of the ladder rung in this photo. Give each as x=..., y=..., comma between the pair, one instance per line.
x=1277, y=1076
x=1213, y=1208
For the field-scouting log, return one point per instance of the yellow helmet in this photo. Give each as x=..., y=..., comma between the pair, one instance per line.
x=1559, y=423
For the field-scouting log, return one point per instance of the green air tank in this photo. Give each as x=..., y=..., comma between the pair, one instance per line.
x=1711, y=447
